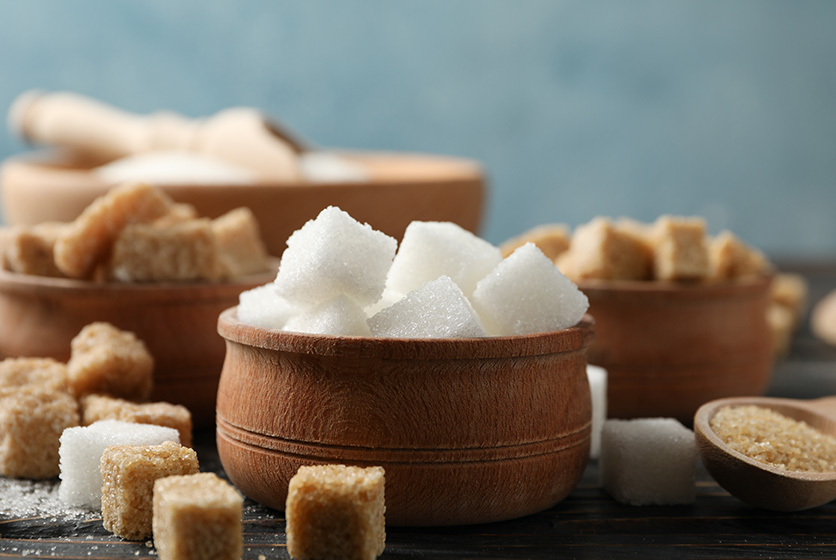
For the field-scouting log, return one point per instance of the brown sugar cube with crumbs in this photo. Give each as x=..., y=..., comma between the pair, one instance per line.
x=336, y=511
x=239, y=242
x=107, y=360
x=32, y=419
x=680, y=249
x=732, y=258
x=30, y=249
x=552, y=239
x=602, y=251
x=88, y=240
x=128, y=474
x=102, y=407
x=45, y=373
x=197, y=517
x=179, y=252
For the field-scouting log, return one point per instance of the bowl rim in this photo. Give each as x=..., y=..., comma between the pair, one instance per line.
x=575, y=338
x=23, y=284
x=686, y=290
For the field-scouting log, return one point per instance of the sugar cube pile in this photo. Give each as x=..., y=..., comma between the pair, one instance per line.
x=648, y=461
x=81, y=450
x=340, y=277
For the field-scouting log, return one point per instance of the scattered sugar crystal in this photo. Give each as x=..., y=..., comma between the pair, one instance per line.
x=36, y=498
x=648, y=461
x=335, y=254
x=339, y=316
x=433, y=249
x=597, y=377
x=263, y=307
x=526, y=293
x=81, y=451
x=438, y=309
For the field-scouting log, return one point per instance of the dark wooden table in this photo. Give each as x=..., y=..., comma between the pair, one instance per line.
x=588, y=524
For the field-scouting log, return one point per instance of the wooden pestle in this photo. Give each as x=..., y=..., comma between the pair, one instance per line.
x=240, y=136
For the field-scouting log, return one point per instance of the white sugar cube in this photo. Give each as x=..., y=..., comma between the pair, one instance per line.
x=597, y=377
x=526, y=293
x=81, y=450
x=438, y=309
x=335, y=254
x=648, y=461
x=433, y=249
x=340, y=316
x=263, y=307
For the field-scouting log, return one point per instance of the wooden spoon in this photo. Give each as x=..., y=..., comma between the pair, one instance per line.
x=758, y=483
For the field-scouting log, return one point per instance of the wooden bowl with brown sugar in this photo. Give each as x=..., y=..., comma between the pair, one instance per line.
x=39, y=316
x=399, y=188
x=467, y=430
x=670, y=347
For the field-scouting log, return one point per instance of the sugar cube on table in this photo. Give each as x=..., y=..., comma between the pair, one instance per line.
x=105, y=359
x=648, y=461
x=102, y=407
x=81, y=451
x=335, y=254
x=433, y=249
x=339, y=316
x=336, y=511
x=196, y=517
x=263, y=307
x=526, y=293
x=438, y=309
x=32, y=419
x=597, y=377
x=128, y=475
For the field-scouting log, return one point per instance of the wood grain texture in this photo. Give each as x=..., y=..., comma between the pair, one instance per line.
x=468, y=430
x=401, y=188
x=758, y=483
x=40, y=316
x=668, y=348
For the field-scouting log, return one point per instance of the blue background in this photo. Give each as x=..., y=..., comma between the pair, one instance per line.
x=575, y=108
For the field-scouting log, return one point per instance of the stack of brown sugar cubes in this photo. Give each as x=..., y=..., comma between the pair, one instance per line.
x=137, y=233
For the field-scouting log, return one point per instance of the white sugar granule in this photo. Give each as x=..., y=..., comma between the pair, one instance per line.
x=36, y=498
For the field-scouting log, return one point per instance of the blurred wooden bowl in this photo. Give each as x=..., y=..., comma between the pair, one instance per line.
x=57, y=186
x=39, y=317
x=467, y=430
x=670, y=347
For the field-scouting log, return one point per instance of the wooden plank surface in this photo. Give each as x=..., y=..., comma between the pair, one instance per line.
x=588, y=524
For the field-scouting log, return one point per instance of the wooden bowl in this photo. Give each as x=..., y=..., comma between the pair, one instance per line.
x=53, y=186
x=39, y=316
x=467, y=430
x=668, y=348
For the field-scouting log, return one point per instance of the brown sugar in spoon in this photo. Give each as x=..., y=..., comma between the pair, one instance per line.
x=759, y=483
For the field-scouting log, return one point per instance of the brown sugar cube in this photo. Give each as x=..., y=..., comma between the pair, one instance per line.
x=336, y=511
x=128, y=474
x=89, y=239
x=601, y=251
x=197, y=517
x=177, y=213
x=179, y=252
x=107, y=360
x=239, y=241
x=680, y=249
x=552, y=239
x=45, y=373
x=31, y=422
x=823, y=318
x=791, y=291
x=732, y=258
x=102, y=407
x=780, y=322
x=29, y=250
